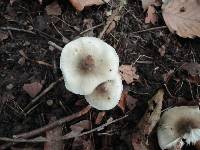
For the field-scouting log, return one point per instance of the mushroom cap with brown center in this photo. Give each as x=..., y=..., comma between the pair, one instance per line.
x=107, y=95
x=179, y=123
x=87, y=62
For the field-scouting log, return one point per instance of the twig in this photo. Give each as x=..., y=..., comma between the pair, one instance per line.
x=54, y=124
x=95, y=129
x=16, y=29
x=51, y=86
x=22, y=138
x=150, y=29
x=45, y=128
x=94, y=27
x=55, y=45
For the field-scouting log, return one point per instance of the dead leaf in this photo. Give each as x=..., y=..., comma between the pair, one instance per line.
x=32, y=88
x=193, y=70
x=148, y=121
x=122, y=101
x=100, y=117
x=81, y=4
x=182, y=17
x=51, y=136
x=3, y=35
x=147, y=3
x=128, y=73
x=53, y=9
x=161, y=50
x=151, y=15
x=80, y=142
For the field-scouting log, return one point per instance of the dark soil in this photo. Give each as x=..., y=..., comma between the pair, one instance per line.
x=15, y=71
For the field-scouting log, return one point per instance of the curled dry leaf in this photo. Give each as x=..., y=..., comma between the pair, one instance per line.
x=147, y=3
x=148, y=121
x=182, y=17
x=80, y=4
x=151, y=15
x=32, y=88
x=53, y=9
x=128, y=73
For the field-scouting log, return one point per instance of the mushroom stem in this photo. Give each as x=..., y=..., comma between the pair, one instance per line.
x=88, y=63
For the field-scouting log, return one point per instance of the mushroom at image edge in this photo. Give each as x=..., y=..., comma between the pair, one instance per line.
x=87, y=62
x=179, y=124
x=107, y=95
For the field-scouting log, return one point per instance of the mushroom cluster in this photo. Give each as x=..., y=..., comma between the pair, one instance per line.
x=90, y=67
x=179, y=125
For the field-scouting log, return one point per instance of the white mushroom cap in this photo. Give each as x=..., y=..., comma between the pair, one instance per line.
x=179, y=123
x=87, y=62
x=107, y=95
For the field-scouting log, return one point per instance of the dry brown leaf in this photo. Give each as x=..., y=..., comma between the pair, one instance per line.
x=81, y=4
x=3, y=35
x=53, y=9
x=122, y=101
x=32, y=88
x=147, y=3
x=148, y=121
x=51, y=135
x=128, y=73
x=151, y=15
x=182, y=17
x=100, y=117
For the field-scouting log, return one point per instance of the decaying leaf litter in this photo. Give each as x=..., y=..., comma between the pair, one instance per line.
x=154, y=59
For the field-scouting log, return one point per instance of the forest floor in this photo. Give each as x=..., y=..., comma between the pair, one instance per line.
x=26, y=57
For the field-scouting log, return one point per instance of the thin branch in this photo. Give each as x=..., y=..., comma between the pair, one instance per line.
x=150, y=29
x=51, y=86
x=55, y=45
x=16, y=29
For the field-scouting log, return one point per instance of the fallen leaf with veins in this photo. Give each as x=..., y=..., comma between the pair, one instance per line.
x=147, y=3
x=128, y=73
x=182, y=17
x=53, y=9
x=81, y=4
x=151, y=15
x=148, y=121
x=32, y=88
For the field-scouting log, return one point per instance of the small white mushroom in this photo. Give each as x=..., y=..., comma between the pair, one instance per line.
x=107, y=95
x=87, y=62
x=179, y=124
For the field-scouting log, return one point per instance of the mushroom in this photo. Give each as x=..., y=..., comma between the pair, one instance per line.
x=179, y=124
x=107, y=95
x=87, y=62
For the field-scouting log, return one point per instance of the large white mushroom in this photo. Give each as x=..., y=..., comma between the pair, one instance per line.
x=87, y=62
x=179, y=124
x=107, y=95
